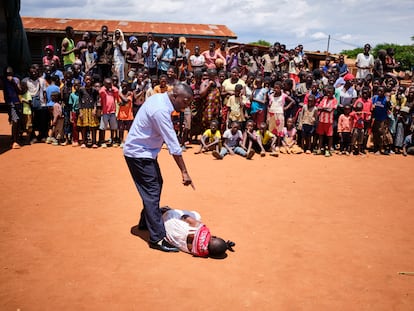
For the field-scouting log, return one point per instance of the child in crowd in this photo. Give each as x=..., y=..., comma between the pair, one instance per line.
x=87, y=119
x=358, y=117
x=252, y=141
x=381, y=106
x=289, y=143
x=57, y=135
x=162, y=87
x=74, y=103
x=109, y=96
x=326, y=110
x=125, y=114
x=402, y=121
x=267, y=140
x=399, y=99
x=65, y=91
x=366, y=102
x=345, y=129
x=210, y=140
x=26, y=100
x=408, y=146
x=232, y=143
x=308, y=117
x=278, y=101
x=236, y=104
x=258, y=101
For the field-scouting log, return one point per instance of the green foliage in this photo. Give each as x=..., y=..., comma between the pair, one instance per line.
x=261, y=42
x=403, y=53
x=352, y=53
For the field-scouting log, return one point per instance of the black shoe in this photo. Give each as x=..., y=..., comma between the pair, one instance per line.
x=163, y=245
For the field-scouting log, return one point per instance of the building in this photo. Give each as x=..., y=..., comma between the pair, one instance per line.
x=42, y=31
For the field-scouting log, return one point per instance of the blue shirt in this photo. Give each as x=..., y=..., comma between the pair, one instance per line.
x=49, y=90
x=152, y=127
x=164, y=54
x=150, y=61
x=380, y=108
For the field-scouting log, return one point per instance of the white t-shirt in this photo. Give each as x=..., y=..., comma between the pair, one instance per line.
x=232, y=140
x=363, y=60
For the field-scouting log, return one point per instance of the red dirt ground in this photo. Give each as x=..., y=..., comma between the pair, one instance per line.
x=311, y=233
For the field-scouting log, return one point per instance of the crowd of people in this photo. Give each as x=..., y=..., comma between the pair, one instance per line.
x=244, y=102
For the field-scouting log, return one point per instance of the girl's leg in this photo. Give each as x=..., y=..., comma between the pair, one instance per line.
x=93, y=133
x=84, y=140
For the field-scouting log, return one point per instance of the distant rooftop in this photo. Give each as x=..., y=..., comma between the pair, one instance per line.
x=58, y=25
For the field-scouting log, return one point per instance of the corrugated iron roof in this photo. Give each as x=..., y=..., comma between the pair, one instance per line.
x=41, y=24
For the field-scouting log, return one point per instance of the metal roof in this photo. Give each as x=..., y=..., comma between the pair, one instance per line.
x=58, y=25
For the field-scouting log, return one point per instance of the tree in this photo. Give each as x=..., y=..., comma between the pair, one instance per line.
x=260, y=42
x=403, y=53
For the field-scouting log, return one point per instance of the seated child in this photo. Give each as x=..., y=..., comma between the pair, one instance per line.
x=289, y=144
x=266, y=140
x=408, y=146
x=232, y=143
x=251, y=139
x=210, y=139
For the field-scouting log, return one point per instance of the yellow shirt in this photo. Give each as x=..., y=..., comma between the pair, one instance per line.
x=26, y=98
x=267, y=137
x=211, y=136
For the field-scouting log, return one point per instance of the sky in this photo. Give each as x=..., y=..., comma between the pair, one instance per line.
x=348, y=23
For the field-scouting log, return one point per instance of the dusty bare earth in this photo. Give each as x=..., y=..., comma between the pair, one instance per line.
x=311, y=233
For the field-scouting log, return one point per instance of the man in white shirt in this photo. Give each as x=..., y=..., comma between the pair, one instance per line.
x=364, y=62
x=152, y=127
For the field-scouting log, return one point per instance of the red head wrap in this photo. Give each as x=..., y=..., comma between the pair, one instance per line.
x=200, y=243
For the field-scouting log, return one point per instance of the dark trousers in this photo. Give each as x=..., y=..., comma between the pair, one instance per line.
x=148, y=180
x=346, y=141
x=41, y=122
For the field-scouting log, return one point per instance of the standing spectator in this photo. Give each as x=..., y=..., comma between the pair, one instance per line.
x=74, y=114
x=345, y=129
x=378, y=69
x=390, y=64
x=151, y=128
x=364, y=62
x=120, y=48
x=41, y=117
x=381, y=105
x=149, y=48
x=258, y=101
x=109, y=96
x=134, y=56
x=104, y=48
x=68, y=48
x=326, y=110
x=254, y=64
x=125, y=115
x=15, y=108
x=50, y=56
x=182, y=57
x=211, y=56
x=210, y=94
x=91, y=57
x=269, y=62
x=87, y=120
x=164, y=57
x=197, y=60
